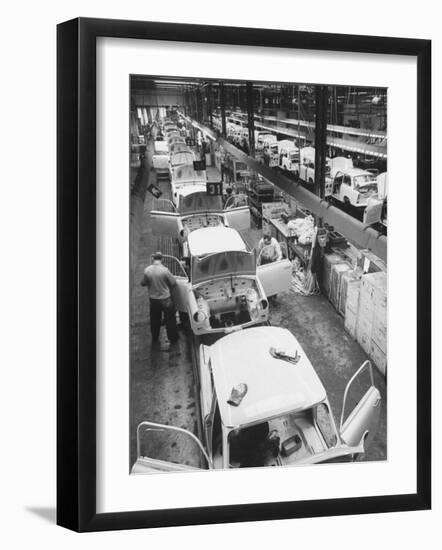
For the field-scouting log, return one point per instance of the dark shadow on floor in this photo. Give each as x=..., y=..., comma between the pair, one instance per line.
x=48, y=514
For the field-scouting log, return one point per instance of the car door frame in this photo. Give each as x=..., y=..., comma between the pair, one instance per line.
x=167, y=224
x=163, y=427
x=371, y=398
x=238, y=218
x=346, y=190
x=180, y=293
x=279, y=267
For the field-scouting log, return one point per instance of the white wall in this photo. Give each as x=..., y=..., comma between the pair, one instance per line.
x=28, y=271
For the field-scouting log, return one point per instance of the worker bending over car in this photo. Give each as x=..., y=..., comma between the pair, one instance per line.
x=269, y=249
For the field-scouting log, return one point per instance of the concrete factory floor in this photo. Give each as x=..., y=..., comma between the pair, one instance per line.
x=162, y=383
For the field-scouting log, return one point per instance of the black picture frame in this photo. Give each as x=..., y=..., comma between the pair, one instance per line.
x=76, y=273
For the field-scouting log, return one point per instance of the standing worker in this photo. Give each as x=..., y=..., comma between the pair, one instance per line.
x=160, y=282
x=269, y=249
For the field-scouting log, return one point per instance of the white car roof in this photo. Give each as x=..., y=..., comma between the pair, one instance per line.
x=275, y=387
x=182, y=158
x=287, y=144
x=194, y=187
x=161, y=146
x=308, y=152
x=356, y=172
x=184, y=173
x=212, y=240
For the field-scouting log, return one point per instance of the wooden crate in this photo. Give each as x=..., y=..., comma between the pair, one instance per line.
x=350, y=322
x=379, y=333
x=349, y=282
x=379, y=358
x=337, y=271
x=352, y=296
x=328, y=261
x=364, y=329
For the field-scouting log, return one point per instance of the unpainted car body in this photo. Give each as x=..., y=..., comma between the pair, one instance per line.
x=307, y=166
x=184, y=175
x=263, y=139
x=160, y=158
x=288, y=157
x=223, y=290
x=271, y=154
x=283, y=416
x=352, y=186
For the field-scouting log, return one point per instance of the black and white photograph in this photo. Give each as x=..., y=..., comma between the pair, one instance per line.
x=220, y=317
x=258, y=274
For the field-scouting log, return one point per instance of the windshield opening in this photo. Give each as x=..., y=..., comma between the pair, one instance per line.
x=364, y=179
x=200, y=202
x=274, y=442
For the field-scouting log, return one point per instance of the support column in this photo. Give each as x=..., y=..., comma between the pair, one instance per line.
x=222, y=93
x=209, y=105
x=198, y=104
x=321, y=104
x=250, y=118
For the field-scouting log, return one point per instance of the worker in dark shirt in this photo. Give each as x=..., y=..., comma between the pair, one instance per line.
x=160, y=283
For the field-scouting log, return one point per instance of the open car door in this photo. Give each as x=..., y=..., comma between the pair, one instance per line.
x=363, y=419
x=237, y=212
x=167, y=224
x=181, y=291
x=168, y=448
x=238, y=218
x=275, y=277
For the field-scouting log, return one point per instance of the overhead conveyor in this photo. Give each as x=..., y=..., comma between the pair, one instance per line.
x=354, y=230
x=351, y=145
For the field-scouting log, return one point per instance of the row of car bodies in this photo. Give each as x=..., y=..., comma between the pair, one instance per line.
x=174, y=159
x=220, y=286
x=261, y=402
x=343, y=182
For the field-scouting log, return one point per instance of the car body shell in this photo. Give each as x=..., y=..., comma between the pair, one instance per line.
x=223, y=290
x=160, y=156
x=352, y=186
x=184, y=175
x=307, y=166
x=283, y=416
x=288, y=156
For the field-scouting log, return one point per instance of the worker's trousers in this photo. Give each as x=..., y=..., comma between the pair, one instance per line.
x=158, y=307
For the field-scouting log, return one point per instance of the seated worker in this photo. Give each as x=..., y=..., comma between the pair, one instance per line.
x=268, y=249
x=253, y=446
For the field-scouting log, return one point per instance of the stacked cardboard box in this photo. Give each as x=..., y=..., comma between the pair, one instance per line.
x=371, y=329
x=362, y=300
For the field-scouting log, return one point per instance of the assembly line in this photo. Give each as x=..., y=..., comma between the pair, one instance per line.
x=250, y=343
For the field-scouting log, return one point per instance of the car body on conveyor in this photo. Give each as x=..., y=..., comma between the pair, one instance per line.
x=192, y=208
x=263, y=404
x=352, y=186
x=223, y=290
x=160, y=159
x=183, y=174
